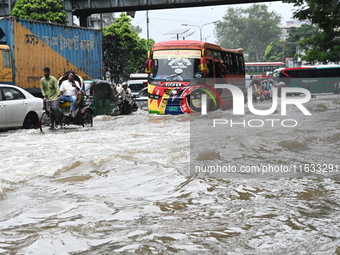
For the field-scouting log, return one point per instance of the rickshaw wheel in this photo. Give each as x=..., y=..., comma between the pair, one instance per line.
x=45, y=122
x=88, y=118
x=58, y=123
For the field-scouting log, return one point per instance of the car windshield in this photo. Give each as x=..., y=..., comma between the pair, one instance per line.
x=143, y=93
x=177, y=65
x=135, y=87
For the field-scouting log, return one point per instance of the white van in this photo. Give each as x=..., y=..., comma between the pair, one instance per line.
x=137, y=82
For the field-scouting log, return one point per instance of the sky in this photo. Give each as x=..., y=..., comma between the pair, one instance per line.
x=163, y=21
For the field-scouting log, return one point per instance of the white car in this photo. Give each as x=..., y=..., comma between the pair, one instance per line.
x=142, y=99
x=136, y=86
x=19, y=108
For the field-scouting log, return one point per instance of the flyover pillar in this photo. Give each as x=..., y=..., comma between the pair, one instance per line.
x=83, y=20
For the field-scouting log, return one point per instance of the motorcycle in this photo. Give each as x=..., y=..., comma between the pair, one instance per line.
x=259, y=96
x=125, y=105
x=267, y=95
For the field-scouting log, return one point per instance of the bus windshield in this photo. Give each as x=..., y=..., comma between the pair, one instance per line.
x=176, y=65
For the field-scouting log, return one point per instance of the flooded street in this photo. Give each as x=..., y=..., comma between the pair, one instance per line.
x=128, y=185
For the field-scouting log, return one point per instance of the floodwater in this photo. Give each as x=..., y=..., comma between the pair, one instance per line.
x=124, y=186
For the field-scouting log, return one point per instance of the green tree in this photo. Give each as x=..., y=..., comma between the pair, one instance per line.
x=138, y=29
x=252, y=29
x=49, y=10
x=274, y=52
x=277, y=50
x=324, y=45
x=124, y=51
x=296, y=35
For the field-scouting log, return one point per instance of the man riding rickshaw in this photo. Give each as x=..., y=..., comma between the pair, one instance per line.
x=72, y=107
x=70, y=90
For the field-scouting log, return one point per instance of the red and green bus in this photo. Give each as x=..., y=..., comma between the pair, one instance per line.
x=180, y=71
x=261, y=70
x=317, y=79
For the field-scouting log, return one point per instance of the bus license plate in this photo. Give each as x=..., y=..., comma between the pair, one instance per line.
x=173, y=108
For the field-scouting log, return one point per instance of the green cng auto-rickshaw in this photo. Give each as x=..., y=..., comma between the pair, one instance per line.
x=103, y=96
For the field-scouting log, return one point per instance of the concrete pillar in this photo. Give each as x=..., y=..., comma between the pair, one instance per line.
x=68, y=9
x=83, y=20
x=69, y=18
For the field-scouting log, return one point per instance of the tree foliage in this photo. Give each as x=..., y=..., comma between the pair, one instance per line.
x=49, y=10
x=323, y=46
x=274, y=52
x=252, y=29
x=138, y=29
x=124, y=51
x=278, y=50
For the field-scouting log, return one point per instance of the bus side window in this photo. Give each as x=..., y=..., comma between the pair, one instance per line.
x=302, y=74
x=233, y=64
x=326, y=72
x=237, y=67
x=242, y=64
x=336, y=72
x=307, y=74
x=226, y=62
x=318, y=73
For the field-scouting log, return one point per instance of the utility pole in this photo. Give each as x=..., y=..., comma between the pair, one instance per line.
x=283, y=55
x=147, y=25
x=9, y=7
x=200, y=27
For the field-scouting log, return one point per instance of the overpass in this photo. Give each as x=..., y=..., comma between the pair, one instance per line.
x=84, y=8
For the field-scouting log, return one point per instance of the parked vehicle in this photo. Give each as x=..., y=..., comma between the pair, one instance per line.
x=137, y=82
x=28, y=46
x=142, y=99
x=18, y=108
x=134, y=104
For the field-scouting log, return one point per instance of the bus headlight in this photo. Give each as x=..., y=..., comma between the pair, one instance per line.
x=152, y=96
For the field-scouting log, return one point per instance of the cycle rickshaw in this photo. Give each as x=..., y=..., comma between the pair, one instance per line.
x=57, y=115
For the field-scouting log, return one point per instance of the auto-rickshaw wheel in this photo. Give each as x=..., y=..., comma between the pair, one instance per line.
x=88, y=118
